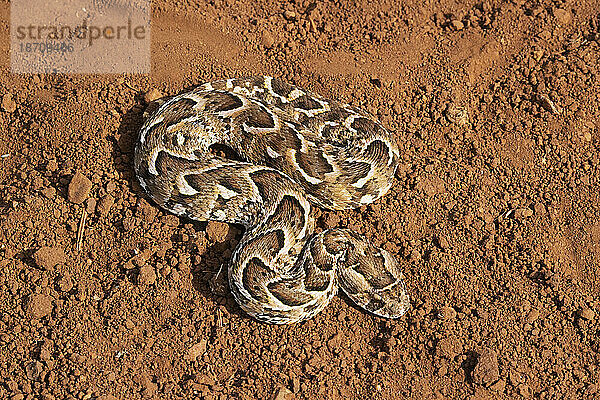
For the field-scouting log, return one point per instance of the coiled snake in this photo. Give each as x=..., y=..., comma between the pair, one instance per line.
x=297, y=149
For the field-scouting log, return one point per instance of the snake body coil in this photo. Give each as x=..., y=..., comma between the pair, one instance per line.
x=298, y=148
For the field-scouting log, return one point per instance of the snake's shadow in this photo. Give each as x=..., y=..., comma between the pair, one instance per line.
x=209, y=269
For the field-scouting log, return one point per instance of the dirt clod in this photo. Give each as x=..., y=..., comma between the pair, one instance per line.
x=8, y=104
x=486, y=370
x=39, y=306
x=48, y=257
x=79, y=188
x=217, y=231
x=147, y=275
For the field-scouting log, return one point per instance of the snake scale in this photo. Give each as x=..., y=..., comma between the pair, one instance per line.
x=294, y=149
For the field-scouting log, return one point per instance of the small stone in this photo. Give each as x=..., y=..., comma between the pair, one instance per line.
x=34, y=370
x=64, y=283
x=39, y=306
x=267, y=39
x=486, y=371
x=448, y=347
x=204, y=379
x=79, y=188
x=152, y=94
x=49, y=192
x=540, y=209
x=533, y=316
x=90, y=205
x=129, y=324
x=587, y=313
x=197, y=350
x=447, y=313
x=8, y=104
x=523, y=213
x=563, y=16
x=147, y=275
x=106, y=397
x=48, y=257
x=331, y=220
x=587, y=135
x=105, y=204
x=548, y=104
x=283, y=394
x=217, y=231
x=289, y=15
x=443, y=242
x=498, y=386
x=458, y=25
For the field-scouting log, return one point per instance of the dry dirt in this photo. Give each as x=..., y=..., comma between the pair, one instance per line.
x=495, y=211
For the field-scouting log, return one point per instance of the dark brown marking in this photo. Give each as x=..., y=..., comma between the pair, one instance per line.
x=311, y=308
x=364, y=124
x=316, y=279
x=222, y=101
x=200, y=181
x=289, y=293
x=374, y=271
x=270, y=242
x=291, y=138
x=258, y=118
x=337, y=115
x=178, y=111
x=281, y=88
x=265, y=181
x=374, y=305
x=306, y=103
x=356, y=170
x=377, y=151
x=313, y=163
x=257, y=81
x=256, y=272
x=289, y=211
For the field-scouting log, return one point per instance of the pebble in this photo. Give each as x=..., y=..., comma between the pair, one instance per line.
x=443, y=242
x=284, y=394
x=563, y=16
x=217, y=231
x=39, y=306
x=49, y=192
x=486, y=371
x=48, y=257
x=447, y=313
x=147, y=275
x=448, y=347
x=587, y=313
x=34, y=370
x=90, y=205
x=267, y=39
x=533, y=316
x=152, y=95
x=197, y=350
x=79, y=188
x=8, y=104
x=458, y=25
x=289, y=15
x=65, y=283
x=523, y=213
x=105, y=204
x=148, y=387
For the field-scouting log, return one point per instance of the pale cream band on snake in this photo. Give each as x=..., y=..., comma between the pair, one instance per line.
x=297, y=149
